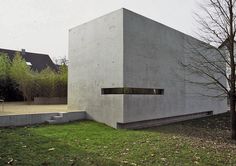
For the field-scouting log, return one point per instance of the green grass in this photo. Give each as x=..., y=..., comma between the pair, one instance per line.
x=197, y=142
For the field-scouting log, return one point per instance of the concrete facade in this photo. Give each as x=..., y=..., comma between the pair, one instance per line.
x=124, y=49
x=96, y=61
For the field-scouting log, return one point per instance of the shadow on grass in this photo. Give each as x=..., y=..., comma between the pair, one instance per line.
x=25, y=147
x=214, y=128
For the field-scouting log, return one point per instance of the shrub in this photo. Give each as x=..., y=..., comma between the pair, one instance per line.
x=61, y=85
x=18, y=76
x=4, y=66
x=51, y=83
x=8, y=87
x=23, y=75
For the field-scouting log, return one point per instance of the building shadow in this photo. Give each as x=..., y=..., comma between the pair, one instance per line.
x=214, y=128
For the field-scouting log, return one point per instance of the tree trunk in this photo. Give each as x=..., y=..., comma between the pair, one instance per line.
x=232, y=66
x=233, y=117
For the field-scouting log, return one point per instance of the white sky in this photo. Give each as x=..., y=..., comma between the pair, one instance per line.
x=42, y=25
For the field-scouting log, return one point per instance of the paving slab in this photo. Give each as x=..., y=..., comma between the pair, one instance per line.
x=18, y=108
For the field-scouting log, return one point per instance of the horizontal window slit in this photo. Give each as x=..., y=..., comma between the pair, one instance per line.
x=132, y=91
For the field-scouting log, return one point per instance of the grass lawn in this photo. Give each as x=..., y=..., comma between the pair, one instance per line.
x=198, y=142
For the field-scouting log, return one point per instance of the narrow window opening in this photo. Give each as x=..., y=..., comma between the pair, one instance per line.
x=132, y=91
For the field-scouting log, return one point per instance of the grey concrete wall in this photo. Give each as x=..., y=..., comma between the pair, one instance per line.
x=73, y=116
x=96, y=61
x=194, y=94
x=31, y=119
x=152, y=52
x=124, y=49
x=25, y=119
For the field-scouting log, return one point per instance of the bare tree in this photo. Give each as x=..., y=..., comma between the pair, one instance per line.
x=215, y=60
x=62, y=61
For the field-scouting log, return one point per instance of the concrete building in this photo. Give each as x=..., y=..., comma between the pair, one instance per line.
x=124, y=72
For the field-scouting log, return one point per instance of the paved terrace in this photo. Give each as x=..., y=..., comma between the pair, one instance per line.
x=17, y=108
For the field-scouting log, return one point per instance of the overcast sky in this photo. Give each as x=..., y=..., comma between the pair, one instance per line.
x=42, y=25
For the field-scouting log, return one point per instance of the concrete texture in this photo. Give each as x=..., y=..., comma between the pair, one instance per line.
x=39, y=118
x=152, y=52
x=96, y=61
x=124, y=49
x=162, y=121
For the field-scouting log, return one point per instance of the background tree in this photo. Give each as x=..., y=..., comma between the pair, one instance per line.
x=8, y=87
x=4, y=73
x=17, y=77
x=4, y=66
x=62, y=76
x=50, y=83
x=61, y=61
x=22, y=74
x=46, y=83
x=216, y=53
x=62, y=80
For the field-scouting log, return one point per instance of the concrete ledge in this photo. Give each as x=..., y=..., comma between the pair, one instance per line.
x=31, y=119
x=162, y=121
x=73, y=116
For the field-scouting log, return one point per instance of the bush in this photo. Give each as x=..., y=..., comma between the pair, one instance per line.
x=4, y=66
x=21, y=73
x=20, y=78
x=51, y=83
x=8, y=87
x=61, y=85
